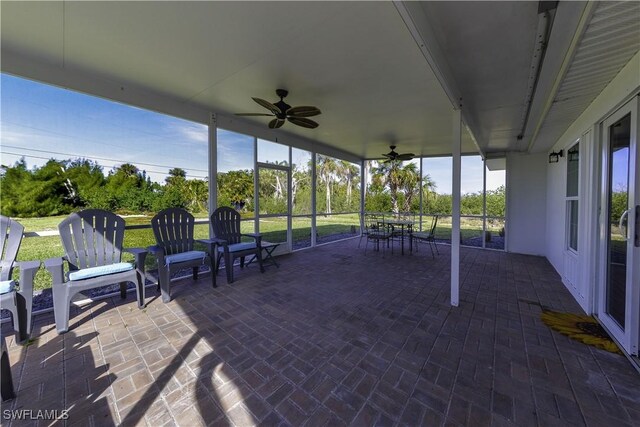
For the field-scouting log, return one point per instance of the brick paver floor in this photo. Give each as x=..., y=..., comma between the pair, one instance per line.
x=332, y=337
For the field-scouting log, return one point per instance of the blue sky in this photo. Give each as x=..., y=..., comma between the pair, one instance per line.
x=41, y=121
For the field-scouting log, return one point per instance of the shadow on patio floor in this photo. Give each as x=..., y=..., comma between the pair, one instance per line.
x=334, y=337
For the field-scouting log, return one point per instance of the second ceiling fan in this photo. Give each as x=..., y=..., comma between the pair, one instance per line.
x=283, y=111
x=392, y=155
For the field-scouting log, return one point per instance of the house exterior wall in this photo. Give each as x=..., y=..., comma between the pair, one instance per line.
x=526, y=203
x=579, y=271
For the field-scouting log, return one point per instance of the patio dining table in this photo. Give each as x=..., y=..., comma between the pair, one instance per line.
x=404, y=225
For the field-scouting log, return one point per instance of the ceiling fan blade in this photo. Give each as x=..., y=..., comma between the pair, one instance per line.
x=303, y=111
x=388, y=156
x=405, y=156
x=305, y=123
x=253, y=114
x=269, y=106
x=276, y=123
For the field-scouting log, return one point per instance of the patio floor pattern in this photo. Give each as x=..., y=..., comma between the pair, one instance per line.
x=332, y=337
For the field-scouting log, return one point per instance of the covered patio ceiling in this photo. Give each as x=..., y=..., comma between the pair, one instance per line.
x=381, y=72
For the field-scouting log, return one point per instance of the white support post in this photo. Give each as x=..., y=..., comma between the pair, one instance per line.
x=421, y=186
x=313, y=198
x=256, y=186
x=455, y=209
x=484, y=203
x=290, y=201
x=213, y=167
x=363, y=192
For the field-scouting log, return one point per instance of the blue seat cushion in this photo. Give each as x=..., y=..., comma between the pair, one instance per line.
x=7, y=286
x=102, y=270
x=237, y=247
x=184, y=256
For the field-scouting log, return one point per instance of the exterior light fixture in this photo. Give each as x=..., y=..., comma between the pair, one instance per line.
x=554, y=157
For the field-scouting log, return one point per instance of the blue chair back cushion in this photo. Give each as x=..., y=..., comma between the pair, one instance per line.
x=237, y=247
x=103, y=270
x=184, y=256
x=7, y=286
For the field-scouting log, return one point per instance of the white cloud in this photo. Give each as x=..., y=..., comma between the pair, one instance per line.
x=193, y=131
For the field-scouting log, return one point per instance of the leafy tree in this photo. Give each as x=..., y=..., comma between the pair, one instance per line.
x=300, y=190
x=128, y=189
x=272, y=186
x=496, y=202
x=471, y=204
x=48, y=192
x=86, y=179
x=619, y=204
x=235, y=188
x=14, y=181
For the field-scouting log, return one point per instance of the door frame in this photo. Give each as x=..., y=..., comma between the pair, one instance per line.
x=629, y=337
x=284, y=247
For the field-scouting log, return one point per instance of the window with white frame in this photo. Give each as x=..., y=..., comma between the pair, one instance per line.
x=573, y=179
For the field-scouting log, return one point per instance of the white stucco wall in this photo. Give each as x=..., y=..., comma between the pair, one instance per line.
x=526, y=203
x=582, y=282
x=555, y=241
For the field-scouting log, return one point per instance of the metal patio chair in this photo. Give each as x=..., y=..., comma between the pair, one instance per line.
x=376, y=231
x=226, y=227
x=173, y=229
x=429, y=237
x=92, y=241
x=17, y=297
x=369, y=218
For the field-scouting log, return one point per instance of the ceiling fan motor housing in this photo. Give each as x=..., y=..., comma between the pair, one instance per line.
x=283, y=106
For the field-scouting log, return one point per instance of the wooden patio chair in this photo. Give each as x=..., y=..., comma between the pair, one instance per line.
x=92, y=241
x=429, y=237
x=173, y=229
x=17, y=297
x=226, y=227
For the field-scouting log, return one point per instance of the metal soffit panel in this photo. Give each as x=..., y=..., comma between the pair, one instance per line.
x=610, y=40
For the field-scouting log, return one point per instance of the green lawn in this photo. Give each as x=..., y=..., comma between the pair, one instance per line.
x=272, y=229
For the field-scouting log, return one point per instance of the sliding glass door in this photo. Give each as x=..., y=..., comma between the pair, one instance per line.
x=619, y=297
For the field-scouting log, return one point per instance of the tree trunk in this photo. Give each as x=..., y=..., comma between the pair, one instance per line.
x=327, y=180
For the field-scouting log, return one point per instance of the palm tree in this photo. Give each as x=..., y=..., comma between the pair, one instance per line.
x=397, y=178
x=428, y=187
x=128, y=169
x=349, y=173
x=410, y=184
x=198, y=194
x=327, y=168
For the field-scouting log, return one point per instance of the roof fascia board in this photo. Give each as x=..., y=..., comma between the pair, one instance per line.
x=95, y=85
